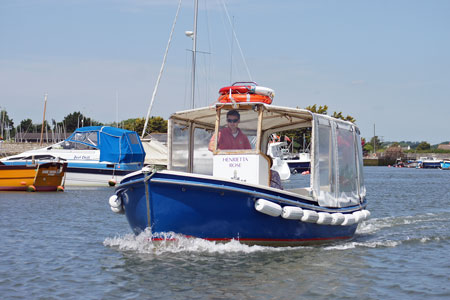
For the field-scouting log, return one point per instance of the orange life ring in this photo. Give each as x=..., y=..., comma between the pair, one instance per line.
x=244, y=98
x=241, y=89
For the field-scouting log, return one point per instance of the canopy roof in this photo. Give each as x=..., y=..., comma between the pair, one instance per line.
x=275, y=117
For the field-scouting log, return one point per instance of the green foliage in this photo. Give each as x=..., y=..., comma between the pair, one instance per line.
x=26, y=126
x=423, y=146
x=324, y=110
x=77, y=119
x=136, y=124
x=375, y=141
x=155, y=125
x=321, y=110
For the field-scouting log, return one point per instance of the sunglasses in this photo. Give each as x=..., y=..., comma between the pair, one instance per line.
x=232, y=120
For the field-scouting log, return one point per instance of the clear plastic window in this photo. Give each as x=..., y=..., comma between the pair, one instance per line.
x=133, y=138
x=68, y=145
x=180, y=147
x=326, y=163
x=86, y=137
x=203, y=158
x=348, y=172
x=238, y=129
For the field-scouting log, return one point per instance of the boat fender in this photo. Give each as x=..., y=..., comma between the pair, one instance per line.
x=268, y=208
x=115, y=203
x=60, y=188
x=349, y=220
x=117, y=210
x=112, y=182
x=31, y=188
x=338, y=218
x=292, y=213
x=310, y=216
x=324, y=218
x=366, y=214
x=359, y=216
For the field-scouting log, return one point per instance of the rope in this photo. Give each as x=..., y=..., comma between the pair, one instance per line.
x=237, y=41
x=147, y=195
x=161, y=70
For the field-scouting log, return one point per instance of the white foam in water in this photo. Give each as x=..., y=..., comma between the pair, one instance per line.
x=175, y=243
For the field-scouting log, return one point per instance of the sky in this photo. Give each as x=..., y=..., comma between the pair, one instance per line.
x=384, y=62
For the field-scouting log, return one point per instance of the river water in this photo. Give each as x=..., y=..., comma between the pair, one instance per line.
x=71, y=246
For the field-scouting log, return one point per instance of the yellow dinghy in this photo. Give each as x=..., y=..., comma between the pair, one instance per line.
x=33, y=177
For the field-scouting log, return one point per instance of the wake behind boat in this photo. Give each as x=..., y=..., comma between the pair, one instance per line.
x=227, y=194
x=95, y=155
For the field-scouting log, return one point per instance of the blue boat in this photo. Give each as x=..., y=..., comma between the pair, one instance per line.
x=95, y=155
x=445, y=164
x=227, y=194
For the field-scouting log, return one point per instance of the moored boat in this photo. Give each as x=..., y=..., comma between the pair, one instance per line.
x=445, y=164
x=227, y=194
x=428, y=163
x=33, y=177
x=96, y=155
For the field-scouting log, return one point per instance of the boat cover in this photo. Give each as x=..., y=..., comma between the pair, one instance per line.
x=116, y=145
x=156, y=153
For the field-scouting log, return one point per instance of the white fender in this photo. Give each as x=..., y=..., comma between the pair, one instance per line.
x=115, y=201
x=324, y=218
x=292, y=213
x=366, y=214
x=117, y=210
x=309, y=216
x=268, y=208
x=359, y=216
x=338, y=218
x=349, y=220
x=282, y=168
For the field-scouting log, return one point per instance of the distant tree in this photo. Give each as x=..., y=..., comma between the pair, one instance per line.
x=423, y=146
x=321, y=110
x=6, y=123
x=77, y=119
x=136, y=124
x=324, y=110
x=375, y=141
x=368, y=148
x=340, y=116
x=155, y=124
x=39, y=126
x=25, y=126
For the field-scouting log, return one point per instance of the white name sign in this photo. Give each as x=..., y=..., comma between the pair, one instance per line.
x=251, y=168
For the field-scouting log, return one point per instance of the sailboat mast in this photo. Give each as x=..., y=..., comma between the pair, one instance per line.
x=194, y=52
x=43, y=120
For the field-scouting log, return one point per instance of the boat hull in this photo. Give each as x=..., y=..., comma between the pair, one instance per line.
x=445, y=165
x=431, y=165
x=218, y=210
x=90, y=173
x=43, y=177
x=299, y=166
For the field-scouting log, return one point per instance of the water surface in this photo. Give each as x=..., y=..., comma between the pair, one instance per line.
x=70, y=245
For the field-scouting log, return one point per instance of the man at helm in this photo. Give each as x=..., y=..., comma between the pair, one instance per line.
x=231, y=137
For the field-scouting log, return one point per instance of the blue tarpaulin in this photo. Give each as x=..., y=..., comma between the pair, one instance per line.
x=116, y=145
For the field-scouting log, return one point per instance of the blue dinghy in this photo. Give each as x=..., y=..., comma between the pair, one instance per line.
x=223, y=194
